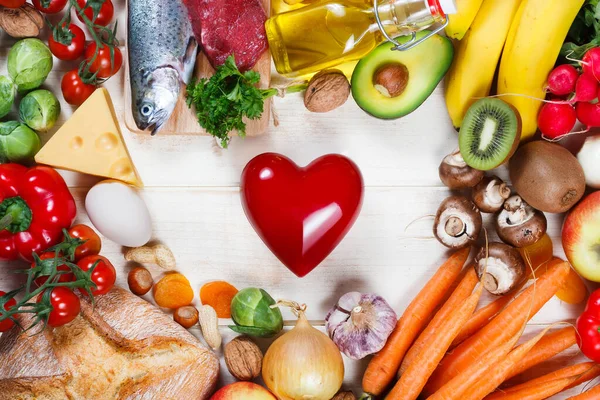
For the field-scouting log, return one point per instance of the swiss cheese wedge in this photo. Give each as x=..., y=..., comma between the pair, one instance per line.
x=91, y=142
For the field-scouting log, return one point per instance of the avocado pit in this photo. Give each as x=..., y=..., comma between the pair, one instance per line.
x=391, y=79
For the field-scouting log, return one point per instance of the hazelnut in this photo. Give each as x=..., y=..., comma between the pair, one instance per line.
x=344, y=395
x=391, y=79
x=243, y=358
x=140, y=281
x=326, y=91
x=21, y=22
x=186, y=316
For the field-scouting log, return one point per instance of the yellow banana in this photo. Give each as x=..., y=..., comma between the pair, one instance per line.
x=461, y=21
x=536, y=36
x=477, y=57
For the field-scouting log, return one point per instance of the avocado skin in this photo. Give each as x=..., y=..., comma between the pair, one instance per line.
x=427, y=65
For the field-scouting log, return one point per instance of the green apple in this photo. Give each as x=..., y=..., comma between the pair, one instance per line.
x=581, y=237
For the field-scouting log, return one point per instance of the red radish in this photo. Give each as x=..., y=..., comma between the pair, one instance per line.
x=562, y=80
x=586, y=88
x=556, y=120
x=588, y=114
x=591, y=63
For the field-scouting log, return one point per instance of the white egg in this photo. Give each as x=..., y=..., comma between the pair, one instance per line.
x=119, y=213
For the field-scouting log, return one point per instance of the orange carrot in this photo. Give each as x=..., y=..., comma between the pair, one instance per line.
x=539, y=392
x=581, y=373
x=591, y=394
x=482, y=317
x=503, y=327
x=218, y=295
x=384, y=365
x=549, y=346
x=440, y=334
x=455, y=388
x=496, y=374
x=458, y=297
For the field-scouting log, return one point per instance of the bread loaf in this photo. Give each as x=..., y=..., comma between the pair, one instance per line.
x=123, y=348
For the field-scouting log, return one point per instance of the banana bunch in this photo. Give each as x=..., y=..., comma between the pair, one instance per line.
x=525, y=37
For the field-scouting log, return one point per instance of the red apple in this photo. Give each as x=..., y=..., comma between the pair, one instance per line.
x=581, y=237
x=243, y=391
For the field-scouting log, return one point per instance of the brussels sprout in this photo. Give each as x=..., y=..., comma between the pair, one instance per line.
x=29, y=63
x=18, y=143
x=7, y=95
x=39, y=109
x=252, y=313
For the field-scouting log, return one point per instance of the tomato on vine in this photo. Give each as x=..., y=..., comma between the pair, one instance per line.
x=102, y=62
x=105, y=11
x=74, y=90
x=63, y=267
x=49, y=6
x=65, y=306
x=104, y=274
x=67, y=43
x=7, y=323
x=92, y=242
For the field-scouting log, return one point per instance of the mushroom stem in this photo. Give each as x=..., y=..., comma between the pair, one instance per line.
x=455, y=159
x=490, y=283
x=516, y=210
x=489, y=194
x=455, y=227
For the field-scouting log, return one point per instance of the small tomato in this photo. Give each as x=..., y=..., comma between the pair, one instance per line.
x=74, y=90
x=7, y=323
x=92, y=242
x=104, y=274
x=71, y=51
x=105, y=14
x=102, y=63
x=49, y=6
x=63, y=277
x=65, y=306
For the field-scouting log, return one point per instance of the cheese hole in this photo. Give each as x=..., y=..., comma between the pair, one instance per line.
x=121, y=168
x=107, y=141
x=76, y=143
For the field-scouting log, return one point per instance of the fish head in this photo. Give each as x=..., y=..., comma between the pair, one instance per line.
x=156, y=98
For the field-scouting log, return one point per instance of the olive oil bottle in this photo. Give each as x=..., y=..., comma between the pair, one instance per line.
x=325, y=33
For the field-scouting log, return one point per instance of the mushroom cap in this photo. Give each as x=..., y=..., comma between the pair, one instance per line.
x=519, y=224
x=502, y=269
x=457, y=222
x=489, y=194
x=456, y=174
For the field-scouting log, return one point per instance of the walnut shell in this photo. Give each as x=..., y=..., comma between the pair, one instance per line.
x=345, y=395
x=243, y=358
x=326, y=91
x=21, y=22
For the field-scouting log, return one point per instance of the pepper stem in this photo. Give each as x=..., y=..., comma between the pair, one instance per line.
x=16, y=215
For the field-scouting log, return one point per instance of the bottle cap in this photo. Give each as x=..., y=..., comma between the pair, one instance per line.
x=448, y=6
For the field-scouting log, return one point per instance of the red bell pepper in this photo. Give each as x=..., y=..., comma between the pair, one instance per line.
x=35, y=205
x=588, y=328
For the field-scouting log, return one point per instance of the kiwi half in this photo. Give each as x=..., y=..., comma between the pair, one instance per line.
x=490, y=134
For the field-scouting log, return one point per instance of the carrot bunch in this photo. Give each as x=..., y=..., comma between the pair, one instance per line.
x=463, y=354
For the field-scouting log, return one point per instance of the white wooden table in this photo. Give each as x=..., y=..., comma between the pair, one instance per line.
x=193, y=196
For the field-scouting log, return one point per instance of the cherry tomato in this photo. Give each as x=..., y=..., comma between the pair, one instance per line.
x=104, y=275
x=92, y=244
x=102, y=61
x=12, y=3
x=54, y=6
x=63, y=277
x=72, y=51
x=104, y=15
x=7, y=323
x=74, y=90
x=65, y=306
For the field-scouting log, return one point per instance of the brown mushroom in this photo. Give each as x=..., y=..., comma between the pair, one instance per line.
x=500, y=267
x=391, y=79
x=456, y=174
x=457, y=222
x=519, y=224
x=490, y=194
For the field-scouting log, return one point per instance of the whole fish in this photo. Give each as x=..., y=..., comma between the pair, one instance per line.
x=162, y=53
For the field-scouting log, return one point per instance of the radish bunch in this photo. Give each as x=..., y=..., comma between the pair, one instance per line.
x=558, y=118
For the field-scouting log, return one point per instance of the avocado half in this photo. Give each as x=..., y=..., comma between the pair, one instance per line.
x=427, y=64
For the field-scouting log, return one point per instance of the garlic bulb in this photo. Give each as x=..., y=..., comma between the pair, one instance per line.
x=303, y=363
x=360, y=324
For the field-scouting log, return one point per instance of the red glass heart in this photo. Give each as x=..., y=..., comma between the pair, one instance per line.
x=301, y=214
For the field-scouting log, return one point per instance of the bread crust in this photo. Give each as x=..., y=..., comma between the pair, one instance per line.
x=124, y=348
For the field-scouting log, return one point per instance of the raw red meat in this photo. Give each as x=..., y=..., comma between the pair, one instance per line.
x=226, y=27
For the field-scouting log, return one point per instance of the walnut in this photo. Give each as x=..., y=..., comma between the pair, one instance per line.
x=21, y=22
x=346, y=395
x=326, y=91
x=243, y=358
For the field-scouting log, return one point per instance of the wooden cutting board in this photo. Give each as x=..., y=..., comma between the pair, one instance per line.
x=183, y=121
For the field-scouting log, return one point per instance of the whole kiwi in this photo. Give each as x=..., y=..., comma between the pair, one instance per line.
x=547, y=176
